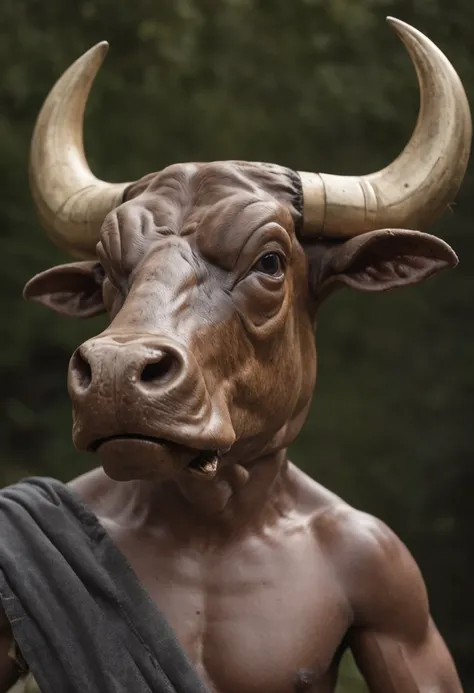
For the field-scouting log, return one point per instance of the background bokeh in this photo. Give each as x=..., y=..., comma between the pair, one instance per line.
x=311, y=84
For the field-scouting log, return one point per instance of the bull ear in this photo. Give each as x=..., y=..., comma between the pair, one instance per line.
x=74, y=290
x=378, y=261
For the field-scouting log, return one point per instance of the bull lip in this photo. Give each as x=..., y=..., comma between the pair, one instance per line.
x=202, y=463
x=96, y=444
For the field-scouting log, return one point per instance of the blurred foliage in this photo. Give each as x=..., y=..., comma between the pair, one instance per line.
x=314, y=85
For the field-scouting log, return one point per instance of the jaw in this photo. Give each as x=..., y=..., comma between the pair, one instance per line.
x=133, y=456
x=154, y=443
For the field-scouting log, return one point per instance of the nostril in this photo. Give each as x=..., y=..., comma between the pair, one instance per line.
x=81, y=370
x=159, y=369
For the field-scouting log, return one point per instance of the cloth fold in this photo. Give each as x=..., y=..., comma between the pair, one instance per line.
x=80, y=616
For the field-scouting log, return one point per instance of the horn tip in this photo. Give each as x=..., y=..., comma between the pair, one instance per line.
x=408, y=33
x=97, y=52
x=102, y=47
x=397, y=23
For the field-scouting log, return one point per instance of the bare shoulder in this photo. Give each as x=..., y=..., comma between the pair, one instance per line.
x=375, y=569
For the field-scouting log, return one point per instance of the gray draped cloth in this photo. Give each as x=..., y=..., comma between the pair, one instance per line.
x=78, y=612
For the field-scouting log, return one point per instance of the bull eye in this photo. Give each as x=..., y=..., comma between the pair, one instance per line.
x=270, y=263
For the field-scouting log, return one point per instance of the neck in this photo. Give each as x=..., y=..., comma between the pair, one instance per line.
x=239, y=497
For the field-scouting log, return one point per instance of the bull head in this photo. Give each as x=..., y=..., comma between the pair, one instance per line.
x=211, y=275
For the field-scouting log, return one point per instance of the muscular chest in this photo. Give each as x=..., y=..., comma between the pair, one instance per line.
x=257, y=615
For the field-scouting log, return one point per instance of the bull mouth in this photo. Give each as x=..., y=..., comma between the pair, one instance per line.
x=202, y=462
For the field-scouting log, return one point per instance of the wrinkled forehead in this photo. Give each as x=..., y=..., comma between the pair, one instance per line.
x=219, y=205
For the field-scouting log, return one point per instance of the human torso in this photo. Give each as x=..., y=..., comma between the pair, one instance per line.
x=263, y=612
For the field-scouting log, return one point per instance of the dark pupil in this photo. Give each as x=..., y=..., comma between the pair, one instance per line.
x=270, y=263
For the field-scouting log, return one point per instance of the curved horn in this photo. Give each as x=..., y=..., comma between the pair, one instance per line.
x=417, y=187
x=71, y=202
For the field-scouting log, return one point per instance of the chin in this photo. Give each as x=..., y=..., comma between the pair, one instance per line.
x=134, y=457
